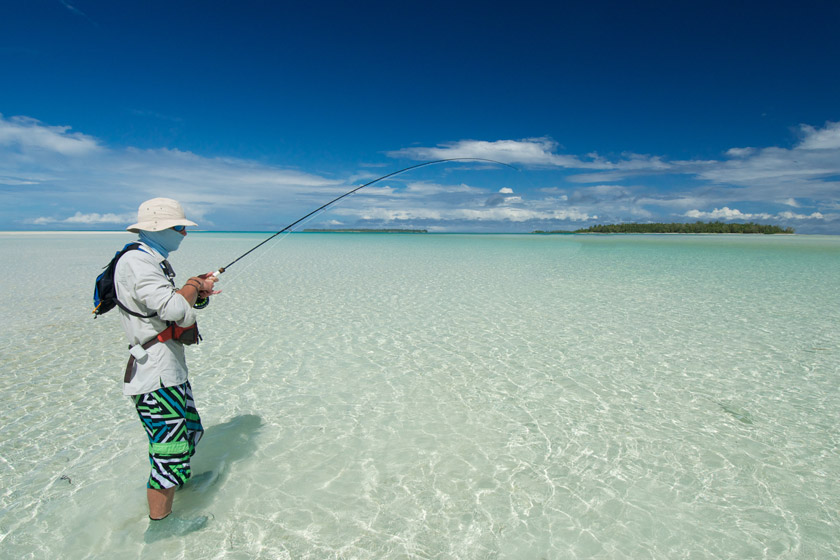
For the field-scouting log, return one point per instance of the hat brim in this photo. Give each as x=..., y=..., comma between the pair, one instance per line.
x=159, y=225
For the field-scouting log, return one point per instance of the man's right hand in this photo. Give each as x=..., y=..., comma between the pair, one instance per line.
x=208, y=282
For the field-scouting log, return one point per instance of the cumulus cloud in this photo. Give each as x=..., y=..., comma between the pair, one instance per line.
x=826, y=138
x=450, y=207
x=815, y=157
x=86, y=219
x=28, y=135
x=794, y=216
x=537, y=152
x=497, y=214
x=102, y=185
x=530, y=151
x=804, y=176
x=808, y=170
x=740, y=152
x=424, y=189
x=727, y=213
x=213, y=189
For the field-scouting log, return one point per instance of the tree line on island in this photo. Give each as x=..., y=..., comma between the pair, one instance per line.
x=696, y=227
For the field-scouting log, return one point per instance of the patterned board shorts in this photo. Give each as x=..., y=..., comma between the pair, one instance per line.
x=174, y=428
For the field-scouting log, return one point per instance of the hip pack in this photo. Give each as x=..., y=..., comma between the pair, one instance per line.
x=184, y=335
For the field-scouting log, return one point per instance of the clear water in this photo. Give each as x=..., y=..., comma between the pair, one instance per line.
x=442, y=396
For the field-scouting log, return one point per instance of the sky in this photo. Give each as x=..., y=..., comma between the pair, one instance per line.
x=253, y=113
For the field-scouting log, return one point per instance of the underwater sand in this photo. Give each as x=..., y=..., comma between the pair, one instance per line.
x=441, y=396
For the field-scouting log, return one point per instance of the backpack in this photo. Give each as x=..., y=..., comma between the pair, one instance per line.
x=105, y=291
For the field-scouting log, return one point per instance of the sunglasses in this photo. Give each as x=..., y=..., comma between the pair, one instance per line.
x=179, y=229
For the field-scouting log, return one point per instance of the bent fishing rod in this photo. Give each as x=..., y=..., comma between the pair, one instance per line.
x=296, y=222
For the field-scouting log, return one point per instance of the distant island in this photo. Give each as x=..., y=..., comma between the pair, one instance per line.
x=363, y=230
x=696, y=227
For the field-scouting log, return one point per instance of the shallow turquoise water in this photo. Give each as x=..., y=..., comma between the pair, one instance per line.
x=442, y=396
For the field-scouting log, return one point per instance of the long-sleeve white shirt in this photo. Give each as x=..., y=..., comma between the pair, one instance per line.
x=142, y=286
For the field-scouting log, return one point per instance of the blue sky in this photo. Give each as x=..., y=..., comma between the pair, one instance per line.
x=254, y=113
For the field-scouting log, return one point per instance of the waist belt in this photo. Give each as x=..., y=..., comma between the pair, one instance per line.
x=184, y=335
x=130, y=365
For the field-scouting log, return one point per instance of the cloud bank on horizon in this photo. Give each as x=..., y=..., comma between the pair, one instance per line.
x=52, y=177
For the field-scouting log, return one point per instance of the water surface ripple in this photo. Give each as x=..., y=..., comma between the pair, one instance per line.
x=442, y=396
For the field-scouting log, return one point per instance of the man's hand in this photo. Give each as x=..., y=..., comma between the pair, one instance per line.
x=208, y=282
x=199, y=287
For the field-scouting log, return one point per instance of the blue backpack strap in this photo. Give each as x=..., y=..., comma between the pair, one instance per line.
x=129, y=247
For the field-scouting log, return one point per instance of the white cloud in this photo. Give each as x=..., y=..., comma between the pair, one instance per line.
x=429, y=189
x=494, y=214
x=16, y=182
x=58, y=168
x=28, y=134
x=94, y=218
x=802, y=177
x=52, y=163
x=760, y=175
x=727, y=213
x=450, y=207
x=792, y=216
x=605, y=177
x=740, y=152
x=827, y=138
x=86, y=219
x=512, y=214
x=816, y=156
x=530, y=151
x=538, y=152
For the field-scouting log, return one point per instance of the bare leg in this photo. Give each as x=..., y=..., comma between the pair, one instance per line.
x=164, y=525
x=160, y=502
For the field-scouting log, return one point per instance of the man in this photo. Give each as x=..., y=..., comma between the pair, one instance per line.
x=159, y=319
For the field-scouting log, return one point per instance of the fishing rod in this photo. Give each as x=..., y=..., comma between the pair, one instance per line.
x=296, y=222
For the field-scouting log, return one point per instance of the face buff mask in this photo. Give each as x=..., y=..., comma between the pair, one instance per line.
x=163, y=242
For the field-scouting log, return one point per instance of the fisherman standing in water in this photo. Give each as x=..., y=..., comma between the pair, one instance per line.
x=159, y=319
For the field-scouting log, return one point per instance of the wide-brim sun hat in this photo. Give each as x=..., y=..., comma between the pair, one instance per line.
x=159, y=214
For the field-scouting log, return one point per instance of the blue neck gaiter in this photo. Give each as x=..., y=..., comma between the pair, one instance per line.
x=163, y=242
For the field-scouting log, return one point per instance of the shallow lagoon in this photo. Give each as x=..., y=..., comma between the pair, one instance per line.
x=442, y=396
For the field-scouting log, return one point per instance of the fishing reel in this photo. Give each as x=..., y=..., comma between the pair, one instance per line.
x=203, y=302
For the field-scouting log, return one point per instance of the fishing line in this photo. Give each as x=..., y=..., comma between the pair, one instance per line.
x=267, y=248
x=289, y=227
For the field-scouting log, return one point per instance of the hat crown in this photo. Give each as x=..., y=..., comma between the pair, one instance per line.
x=159, y=214
x=160, y=209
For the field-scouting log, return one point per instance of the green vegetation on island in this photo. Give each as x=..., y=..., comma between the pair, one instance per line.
x=696, y=227
x=363, y=230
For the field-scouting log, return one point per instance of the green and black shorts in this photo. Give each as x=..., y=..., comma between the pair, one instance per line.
x=174, y=428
